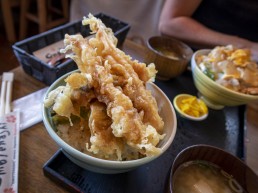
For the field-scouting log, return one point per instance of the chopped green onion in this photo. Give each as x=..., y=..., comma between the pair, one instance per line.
x=209, y=73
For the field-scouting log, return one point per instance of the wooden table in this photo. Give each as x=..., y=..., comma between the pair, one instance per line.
x=36, y=146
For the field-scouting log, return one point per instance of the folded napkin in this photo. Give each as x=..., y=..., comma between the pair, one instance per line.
x=30, y=108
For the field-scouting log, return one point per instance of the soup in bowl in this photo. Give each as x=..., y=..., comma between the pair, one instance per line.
x=205, y=168
x=169, y=55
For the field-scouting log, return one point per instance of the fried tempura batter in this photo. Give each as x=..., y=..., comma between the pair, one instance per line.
x=124, y=120
x=102, y=141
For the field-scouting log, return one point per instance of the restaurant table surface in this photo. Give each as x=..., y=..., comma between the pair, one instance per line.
x=36, y=146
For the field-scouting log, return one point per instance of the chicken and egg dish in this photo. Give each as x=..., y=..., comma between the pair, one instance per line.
x=232, y=68
x=105, y=109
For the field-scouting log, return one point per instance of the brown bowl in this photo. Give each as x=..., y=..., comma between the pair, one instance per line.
x=169, y=55
x=234, y=166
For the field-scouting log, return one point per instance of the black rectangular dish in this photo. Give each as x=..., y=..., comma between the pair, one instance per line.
x=46, y=73
x=223, y=129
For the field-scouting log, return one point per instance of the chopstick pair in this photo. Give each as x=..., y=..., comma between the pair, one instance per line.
x=6, y=93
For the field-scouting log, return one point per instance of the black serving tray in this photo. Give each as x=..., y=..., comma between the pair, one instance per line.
x=223, y=129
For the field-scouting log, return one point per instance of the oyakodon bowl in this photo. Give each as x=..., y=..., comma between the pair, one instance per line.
x=94, y=164
x=229, y=163
x=213, y=94
x=169, y=55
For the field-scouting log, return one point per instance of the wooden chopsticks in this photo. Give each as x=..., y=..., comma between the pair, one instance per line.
x=6, y=93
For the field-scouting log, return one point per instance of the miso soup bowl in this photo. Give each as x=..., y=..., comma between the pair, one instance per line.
x=231, y=164
x=169, y=63
x=98, y=165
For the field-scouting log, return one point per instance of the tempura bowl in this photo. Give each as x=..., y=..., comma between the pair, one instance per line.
x=169, y=55
x=214, y=95
x=88, y=162
x=231, y=164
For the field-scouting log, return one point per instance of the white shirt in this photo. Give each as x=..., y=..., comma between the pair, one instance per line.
x=141, y=15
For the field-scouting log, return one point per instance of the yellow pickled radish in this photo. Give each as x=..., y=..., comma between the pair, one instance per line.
x=193, y=106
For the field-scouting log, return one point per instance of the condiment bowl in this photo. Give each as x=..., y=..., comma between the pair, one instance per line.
x=213, y=94
x=98, y=165
x=169, y=55
x=226, y=161
x=178, y=100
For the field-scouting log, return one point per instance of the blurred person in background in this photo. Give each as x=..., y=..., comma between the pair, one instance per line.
x=141, y=15
x=210, y=23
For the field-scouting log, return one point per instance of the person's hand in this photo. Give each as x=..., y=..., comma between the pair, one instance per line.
x=254, y=51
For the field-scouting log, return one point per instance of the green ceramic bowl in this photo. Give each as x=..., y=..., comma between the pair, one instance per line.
x=110, y=167
x=214, y=95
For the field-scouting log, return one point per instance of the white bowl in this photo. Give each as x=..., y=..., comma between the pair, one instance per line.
x=94, y=164
x=215, y=95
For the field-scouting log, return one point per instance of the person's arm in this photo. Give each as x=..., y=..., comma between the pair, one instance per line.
x=176, y=21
